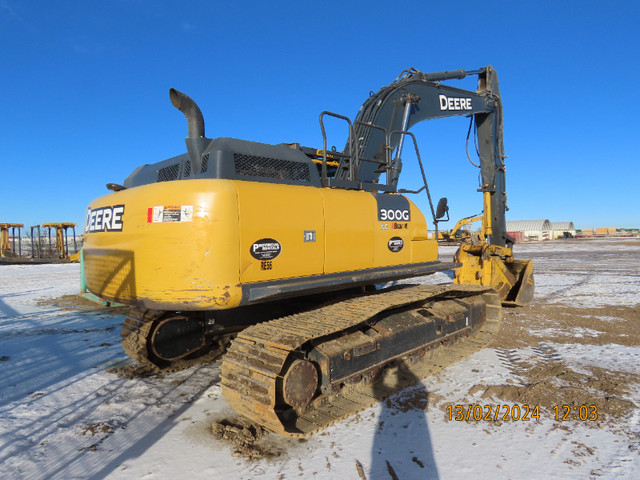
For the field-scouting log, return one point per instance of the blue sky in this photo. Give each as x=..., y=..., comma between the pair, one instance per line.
x=84, y=92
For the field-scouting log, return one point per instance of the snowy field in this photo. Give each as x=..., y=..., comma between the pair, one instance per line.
x=64, y=415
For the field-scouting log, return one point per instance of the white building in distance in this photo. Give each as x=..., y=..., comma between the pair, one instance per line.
x=522, y=230
x=559, y=229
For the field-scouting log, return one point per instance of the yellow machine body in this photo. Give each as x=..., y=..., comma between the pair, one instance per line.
x=198, y=244
x=205, y=245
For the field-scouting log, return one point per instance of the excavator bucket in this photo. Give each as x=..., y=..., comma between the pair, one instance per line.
x=494, y=266
x=521, y=293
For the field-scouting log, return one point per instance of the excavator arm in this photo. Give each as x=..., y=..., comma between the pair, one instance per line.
x=375, y=146
x=416, y=96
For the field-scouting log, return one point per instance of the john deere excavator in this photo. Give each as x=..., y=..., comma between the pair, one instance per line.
x=458, y=233
x=275, y=255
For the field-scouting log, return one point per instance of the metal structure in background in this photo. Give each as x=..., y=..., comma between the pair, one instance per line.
x=62, y=242
x=36, y=244
x=43, y=245
x=5, y=243
x=39, y=246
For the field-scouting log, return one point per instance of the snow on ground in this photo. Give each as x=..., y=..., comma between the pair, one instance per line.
x=572, y=271
x=63, y=415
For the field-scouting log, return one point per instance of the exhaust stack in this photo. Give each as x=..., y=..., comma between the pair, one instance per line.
x=191, y=111
x=196, y=142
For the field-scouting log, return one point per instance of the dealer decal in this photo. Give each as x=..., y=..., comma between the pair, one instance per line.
x=395, y=244
x=170, y=213
x=265, y=249
x=104, y=219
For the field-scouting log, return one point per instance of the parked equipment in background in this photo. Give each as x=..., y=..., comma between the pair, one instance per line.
x=458, y=233
x=8, y=238
x=50, y=243
x=61, y=242
x=272, y=253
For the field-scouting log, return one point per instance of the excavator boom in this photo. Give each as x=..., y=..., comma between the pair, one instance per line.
x=416, y=96
x=380, y=127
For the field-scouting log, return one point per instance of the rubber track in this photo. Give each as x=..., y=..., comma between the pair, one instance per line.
x=257, y=357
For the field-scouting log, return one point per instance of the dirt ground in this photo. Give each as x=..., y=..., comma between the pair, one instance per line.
x=78, y=302
x=545, y=379
x=549, y=382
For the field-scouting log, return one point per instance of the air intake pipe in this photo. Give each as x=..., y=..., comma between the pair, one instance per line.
x=196, y=142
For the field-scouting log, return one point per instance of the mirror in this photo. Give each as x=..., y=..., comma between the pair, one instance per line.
x=442, y=208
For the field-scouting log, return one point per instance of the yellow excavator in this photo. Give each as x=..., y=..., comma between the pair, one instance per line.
x=458, y=234
x=275, y=257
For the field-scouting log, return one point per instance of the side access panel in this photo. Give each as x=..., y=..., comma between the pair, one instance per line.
x=282, y=231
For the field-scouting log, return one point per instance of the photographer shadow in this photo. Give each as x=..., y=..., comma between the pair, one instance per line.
x=402, y=446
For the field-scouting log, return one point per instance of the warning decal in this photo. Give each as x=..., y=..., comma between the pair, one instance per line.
x=170, y=213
